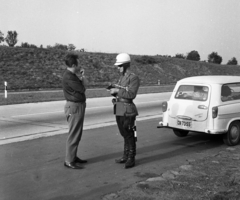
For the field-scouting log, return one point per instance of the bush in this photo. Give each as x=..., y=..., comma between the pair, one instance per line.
x=26, y=45
x=193, y=55
x=233, y=61
x=178, y=55
x=146, y=60
x=214, y=58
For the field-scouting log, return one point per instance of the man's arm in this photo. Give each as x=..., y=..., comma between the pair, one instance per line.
x=84, y=80
x=82, y=77
x=76, y=84
x=132, y=90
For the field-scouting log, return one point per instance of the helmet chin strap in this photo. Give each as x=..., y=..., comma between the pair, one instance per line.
x=124, y=71
x=125, y=67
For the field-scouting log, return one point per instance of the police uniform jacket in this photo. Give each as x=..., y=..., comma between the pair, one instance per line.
x=124, y=104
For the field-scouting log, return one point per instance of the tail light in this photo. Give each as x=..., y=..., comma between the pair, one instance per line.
x=164, y=106
x=214, y=112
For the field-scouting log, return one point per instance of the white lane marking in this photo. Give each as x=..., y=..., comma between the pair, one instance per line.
x=86, y=108
x=64, y=131
x=36, y=114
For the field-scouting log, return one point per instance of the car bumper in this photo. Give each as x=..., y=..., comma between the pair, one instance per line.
x=208, y=131
x=163, y=125
x=215, y=131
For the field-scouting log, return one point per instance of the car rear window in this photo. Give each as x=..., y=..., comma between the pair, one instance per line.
x=230, y=92
x=192, y=92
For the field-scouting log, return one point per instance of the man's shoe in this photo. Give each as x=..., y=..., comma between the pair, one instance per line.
x=78, y=160
x=72, y=165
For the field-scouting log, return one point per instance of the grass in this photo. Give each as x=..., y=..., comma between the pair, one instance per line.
x=57, y=95
x=41, y=70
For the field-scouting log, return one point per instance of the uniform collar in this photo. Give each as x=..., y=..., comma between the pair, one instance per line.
x=69, y=70
x=127, y=73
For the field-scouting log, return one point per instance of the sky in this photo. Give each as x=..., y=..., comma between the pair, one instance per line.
x=139, y=27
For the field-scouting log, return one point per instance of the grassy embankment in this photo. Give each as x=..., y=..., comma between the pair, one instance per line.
x=27, y=69
x=56, y=95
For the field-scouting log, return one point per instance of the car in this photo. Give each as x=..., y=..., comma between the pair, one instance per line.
x=205, y=104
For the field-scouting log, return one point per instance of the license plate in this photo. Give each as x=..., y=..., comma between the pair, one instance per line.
x=184, y=123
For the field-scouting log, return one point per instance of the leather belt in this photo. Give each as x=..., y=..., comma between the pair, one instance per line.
x=124, y=100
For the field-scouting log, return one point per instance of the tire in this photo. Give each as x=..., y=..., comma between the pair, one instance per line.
x=180, y=133
x=232, y=137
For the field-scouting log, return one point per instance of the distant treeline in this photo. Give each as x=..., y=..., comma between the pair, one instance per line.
x=11, y=40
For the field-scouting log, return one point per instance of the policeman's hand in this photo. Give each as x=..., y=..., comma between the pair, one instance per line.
x=82, y=72
x=114, y=90
x=110, y=86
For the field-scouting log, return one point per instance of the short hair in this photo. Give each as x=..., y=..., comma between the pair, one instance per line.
x=71, y=59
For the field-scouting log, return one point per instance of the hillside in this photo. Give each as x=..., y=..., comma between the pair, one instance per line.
x=33, y=69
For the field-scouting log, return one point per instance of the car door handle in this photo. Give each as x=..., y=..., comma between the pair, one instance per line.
x=203, y=107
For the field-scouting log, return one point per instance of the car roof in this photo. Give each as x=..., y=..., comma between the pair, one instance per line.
x=211, y=79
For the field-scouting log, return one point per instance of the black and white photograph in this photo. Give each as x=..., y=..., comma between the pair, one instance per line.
x=119, y=100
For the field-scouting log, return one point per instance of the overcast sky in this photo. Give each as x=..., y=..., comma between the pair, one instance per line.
x=140, y=27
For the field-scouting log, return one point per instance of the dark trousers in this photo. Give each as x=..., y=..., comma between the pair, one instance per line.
x=125, y=126
x=75, y=113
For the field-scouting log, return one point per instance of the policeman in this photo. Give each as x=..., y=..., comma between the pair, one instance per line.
x=125, y=110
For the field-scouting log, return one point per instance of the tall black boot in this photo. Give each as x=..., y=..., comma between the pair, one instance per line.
x=132, y=153
x=125, y=153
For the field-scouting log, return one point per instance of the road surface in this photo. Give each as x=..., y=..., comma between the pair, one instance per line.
x=26, y=121
x=33, y=169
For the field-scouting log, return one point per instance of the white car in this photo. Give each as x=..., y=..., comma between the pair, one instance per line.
x=208, y=104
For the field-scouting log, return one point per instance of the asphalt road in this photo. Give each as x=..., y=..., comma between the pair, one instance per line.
x=33, y=169
x=26, y=121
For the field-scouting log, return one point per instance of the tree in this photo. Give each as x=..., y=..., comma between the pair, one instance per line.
x=71, y=47
x=193, y=55
x=233, y=61
x=178, y=55
x=33, y=46
x=214, y=58
x=26, y=45
x=11, y=38
x=1, y=37
x=60, y=46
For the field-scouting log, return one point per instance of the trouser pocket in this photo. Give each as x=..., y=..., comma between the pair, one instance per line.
x=128, y=123
x=70, y=110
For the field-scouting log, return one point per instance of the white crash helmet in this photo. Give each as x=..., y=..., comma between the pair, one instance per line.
x=122, y=58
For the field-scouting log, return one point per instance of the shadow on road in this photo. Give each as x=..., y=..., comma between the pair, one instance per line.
x=195, y=142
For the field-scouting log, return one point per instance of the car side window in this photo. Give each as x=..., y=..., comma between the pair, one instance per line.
x=192, y=92
x=230, y=92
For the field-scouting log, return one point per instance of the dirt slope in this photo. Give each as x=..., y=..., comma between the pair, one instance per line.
x=213, y=177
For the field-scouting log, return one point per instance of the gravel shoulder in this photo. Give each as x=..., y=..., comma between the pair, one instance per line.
x=215, y=176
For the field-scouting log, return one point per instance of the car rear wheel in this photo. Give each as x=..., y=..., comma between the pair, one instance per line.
x=232, y=137
x=180, y=133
